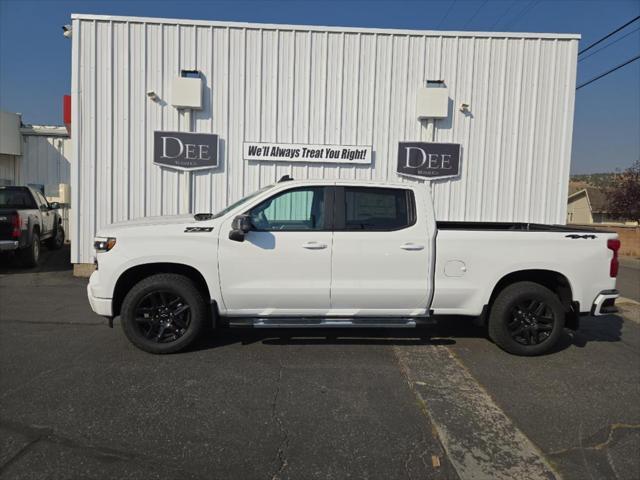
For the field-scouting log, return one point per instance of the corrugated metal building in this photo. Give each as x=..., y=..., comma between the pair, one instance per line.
x=322, y=86
x=41, y=158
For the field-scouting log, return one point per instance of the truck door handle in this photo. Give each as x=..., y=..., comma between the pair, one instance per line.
x=314, y=245
x=411, y=246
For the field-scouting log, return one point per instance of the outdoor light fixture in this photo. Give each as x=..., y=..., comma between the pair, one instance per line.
x=66, y=31
x=152, y=95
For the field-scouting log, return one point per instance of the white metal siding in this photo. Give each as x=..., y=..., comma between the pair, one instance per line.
x=8, y=170
x=46, y=160
x=319, y=85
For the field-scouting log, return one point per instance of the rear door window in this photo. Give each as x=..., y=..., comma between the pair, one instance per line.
x=370, y=208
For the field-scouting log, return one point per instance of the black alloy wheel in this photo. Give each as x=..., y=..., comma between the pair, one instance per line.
x=163, y=316
x=164, y=313
x=531, y=322
x=526, y=318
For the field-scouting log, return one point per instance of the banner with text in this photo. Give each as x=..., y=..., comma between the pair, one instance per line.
x=302, y=152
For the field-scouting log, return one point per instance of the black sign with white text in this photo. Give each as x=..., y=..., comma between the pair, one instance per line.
x=430, y=160
x=185, y=151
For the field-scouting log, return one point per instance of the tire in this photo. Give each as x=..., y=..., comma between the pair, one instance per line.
x=57, y=241
x=155, y=321
x=30, y=255
x=526, y=319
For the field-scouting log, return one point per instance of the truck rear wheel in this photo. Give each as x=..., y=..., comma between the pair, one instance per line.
x=526, y=319
x=164, y=313
x=30, y=255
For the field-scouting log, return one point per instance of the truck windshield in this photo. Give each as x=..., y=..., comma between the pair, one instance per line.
x=226, y=210
x=16, y=197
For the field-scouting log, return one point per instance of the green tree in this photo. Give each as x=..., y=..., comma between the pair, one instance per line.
x=624, y=195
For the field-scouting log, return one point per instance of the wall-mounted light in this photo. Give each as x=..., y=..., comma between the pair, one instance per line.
x=152, y=95
x=464, y=107
x=66, y=31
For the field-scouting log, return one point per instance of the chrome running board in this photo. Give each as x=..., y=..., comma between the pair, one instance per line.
x=320, y=322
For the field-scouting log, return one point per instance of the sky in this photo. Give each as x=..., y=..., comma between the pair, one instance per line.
x=35, y=58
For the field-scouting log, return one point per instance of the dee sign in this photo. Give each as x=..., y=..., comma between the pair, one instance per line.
x=430, y=160
x=185, y=151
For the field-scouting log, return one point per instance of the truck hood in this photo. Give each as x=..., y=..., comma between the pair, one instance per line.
x=147, y=223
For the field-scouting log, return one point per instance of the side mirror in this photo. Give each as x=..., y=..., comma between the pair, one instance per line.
x=240, y=226
x=54, y=206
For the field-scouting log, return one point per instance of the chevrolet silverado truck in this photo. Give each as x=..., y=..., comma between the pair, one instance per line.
x=26, y=220
x=340, y=253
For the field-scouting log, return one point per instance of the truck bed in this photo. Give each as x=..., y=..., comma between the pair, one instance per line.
x=514, y=226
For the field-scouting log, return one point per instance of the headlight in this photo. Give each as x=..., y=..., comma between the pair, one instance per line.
x=102, y=245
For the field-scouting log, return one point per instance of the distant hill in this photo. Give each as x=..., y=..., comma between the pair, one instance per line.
x=601, y=180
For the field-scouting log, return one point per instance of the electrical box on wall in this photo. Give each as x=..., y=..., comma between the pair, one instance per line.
x=433, y=101
x=186, y=90
x=58, y=192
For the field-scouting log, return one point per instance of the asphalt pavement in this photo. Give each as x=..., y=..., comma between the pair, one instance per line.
x=78, y=401
x=628, y=282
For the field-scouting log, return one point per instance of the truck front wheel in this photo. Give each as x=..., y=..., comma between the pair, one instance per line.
x=526, y=319
x=164, y=313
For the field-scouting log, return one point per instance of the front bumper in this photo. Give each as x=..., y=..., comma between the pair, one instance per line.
x=605, y=303
x=9, y=245
x=102, y=306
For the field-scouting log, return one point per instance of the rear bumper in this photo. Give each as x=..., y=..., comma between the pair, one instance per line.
x=604, y=304
x=102, y=306
x=9, y=245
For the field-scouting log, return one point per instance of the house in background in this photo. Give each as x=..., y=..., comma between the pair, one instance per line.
x=587, y=205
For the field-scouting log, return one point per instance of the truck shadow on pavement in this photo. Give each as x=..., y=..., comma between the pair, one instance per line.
x=445, y=333
x=50, y=261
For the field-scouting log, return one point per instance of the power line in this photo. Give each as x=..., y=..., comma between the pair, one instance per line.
x=527, y=8
x=476, y=13
x=608, y=35
x=503, y=15
x=608, y=72
x=448, y=12
x=609, y=44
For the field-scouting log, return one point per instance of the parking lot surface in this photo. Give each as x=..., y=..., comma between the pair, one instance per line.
x=78, y=401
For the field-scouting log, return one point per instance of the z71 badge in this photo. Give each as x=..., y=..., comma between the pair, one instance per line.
x=198, y=229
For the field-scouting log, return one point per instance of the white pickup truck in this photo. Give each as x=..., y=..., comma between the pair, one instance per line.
x=347, y=253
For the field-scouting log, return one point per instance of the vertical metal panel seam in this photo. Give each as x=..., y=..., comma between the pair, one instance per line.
x=548, y=133
x=127, y=83
x=94, y=126
x=376, y=160
x=511, y=201
x=75, y=133
x=111, y=102
x=500, y=132
x=532, y=133
x=469, y=131
x=226, y=148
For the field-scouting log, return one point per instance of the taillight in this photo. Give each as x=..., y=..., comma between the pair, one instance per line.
x=15, y=223
x=614, y=245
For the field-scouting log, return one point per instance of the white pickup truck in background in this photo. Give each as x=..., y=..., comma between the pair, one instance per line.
x=347, y=253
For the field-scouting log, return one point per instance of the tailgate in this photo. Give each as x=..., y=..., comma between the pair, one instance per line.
x=6, y=226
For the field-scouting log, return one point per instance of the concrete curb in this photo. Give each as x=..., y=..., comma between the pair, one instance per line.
x=481, y=441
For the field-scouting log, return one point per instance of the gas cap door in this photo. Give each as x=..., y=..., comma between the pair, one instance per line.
x=455, y=268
